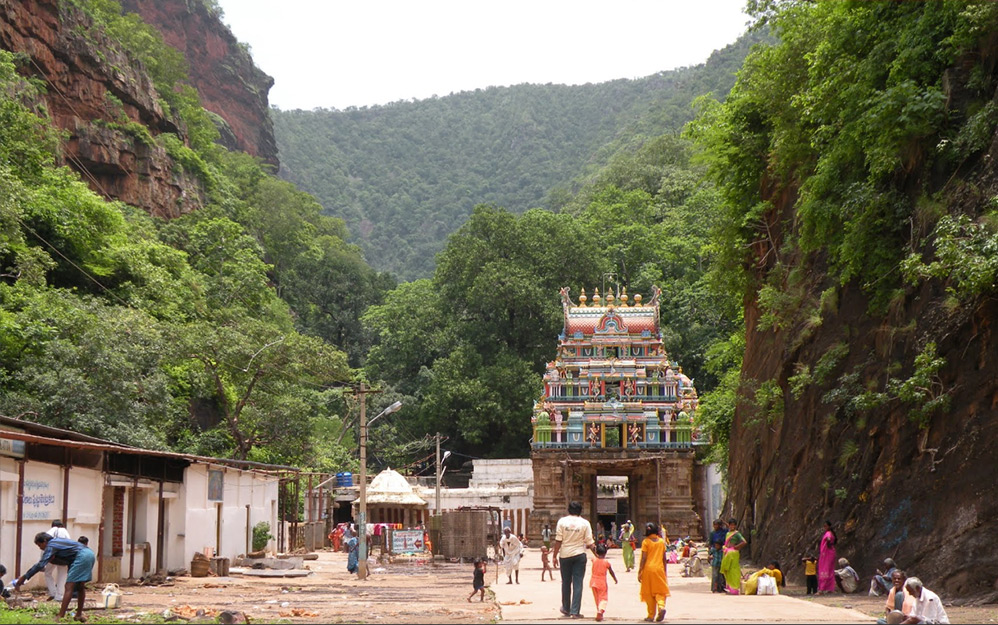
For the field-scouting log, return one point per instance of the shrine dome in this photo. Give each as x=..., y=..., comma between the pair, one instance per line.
x=390, y=487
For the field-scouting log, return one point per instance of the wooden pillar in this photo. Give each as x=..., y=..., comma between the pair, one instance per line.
x=66, y=463
x=133, y=500
x=100, y=526
x=593, y=497
x=20, y=518
x=160, y=526
x=310, y=498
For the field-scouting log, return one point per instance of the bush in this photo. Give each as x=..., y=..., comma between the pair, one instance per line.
x=261, y=535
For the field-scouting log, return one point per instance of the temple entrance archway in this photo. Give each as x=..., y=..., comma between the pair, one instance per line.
x=658, y=488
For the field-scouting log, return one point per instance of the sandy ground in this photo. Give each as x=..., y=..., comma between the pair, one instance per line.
x=437, y=593
x=403, y=593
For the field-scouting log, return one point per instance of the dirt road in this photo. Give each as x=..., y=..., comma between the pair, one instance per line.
x=404, y=593
x=411, y=593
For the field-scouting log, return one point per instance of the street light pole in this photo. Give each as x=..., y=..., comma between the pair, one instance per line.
x=438, y=475
x=440, y=472
x=362, y=515
x=362, y=512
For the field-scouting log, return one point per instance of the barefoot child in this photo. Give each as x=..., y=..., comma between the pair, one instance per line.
x=479, y=582
x=545, y=555
x=601, y=566
x=810, y=573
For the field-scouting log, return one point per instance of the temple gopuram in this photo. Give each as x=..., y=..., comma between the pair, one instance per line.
x=615, y=406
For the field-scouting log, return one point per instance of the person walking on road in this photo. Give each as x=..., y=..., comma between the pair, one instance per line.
x=512, y=551
x=353, y=546
x=601, y=566
x=651, y=573
x=573, y=536
x=627, y=545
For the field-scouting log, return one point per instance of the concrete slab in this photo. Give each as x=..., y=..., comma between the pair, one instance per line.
x=270, y=572
x=533, y=601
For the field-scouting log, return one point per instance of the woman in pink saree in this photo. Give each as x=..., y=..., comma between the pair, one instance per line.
x=827, y=560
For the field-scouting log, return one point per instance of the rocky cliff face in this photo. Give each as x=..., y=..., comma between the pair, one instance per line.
x=90, y=84
x=926, y=497
x=222, y=71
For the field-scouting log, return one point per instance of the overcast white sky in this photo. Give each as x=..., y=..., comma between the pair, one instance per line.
x=339, y=53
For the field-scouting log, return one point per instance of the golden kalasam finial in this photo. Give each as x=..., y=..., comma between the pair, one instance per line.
x=609, y=298
x=623, y=297
x=583, y=299
x=596, y=297
x=637, y=299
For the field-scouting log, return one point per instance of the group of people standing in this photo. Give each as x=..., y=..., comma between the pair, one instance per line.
x=908, y=601
x=726, y=543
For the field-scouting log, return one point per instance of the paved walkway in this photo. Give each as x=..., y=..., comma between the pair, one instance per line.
x=532, y=601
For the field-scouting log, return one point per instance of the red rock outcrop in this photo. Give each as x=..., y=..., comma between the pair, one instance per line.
x=924, y=496
x=90, y=84
x=221, y=69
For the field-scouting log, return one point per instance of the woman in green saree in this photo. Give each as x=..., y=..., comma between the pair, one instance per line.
x=731, y=563
x=627, y=544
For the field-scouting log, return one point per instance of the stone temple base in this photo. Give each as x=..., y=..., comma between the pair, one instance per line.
x=663, y=487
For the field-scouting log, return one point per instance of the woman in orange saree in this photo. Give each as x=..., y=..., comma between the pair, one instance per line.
x=651, y=573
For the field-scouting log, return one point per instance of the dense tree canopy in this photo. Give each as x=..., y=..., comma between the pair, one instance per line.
x=406, y=175
x=159, y=334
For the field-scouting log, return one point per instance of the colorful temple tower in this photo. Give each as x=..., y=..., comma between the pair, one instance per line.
x=612, y=384
x=615, y=405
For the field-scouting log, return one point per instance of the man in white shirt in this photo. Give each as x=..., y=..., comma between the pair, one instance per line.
x=55, y=574
x=928, y=606
x=512, y=550
x=573, y=536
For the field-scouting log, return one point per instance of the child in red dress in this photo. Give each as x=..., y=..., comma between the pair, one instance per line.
x=601, y=566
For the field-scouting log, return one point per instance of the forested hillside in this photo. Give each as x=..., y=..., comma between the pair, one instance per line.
x=406, y=175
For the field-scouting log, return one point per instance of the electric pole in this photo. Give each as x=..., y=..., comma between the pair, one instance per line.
x=362, y=515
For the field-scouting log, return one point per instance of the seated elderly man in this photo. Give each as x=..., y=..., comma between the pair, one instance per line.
x=846, y=577
x=881, y=582
x=928, y=606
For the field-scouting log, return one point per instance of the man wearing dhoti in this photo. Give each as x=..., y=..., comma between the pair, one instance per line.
x=512, y=550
